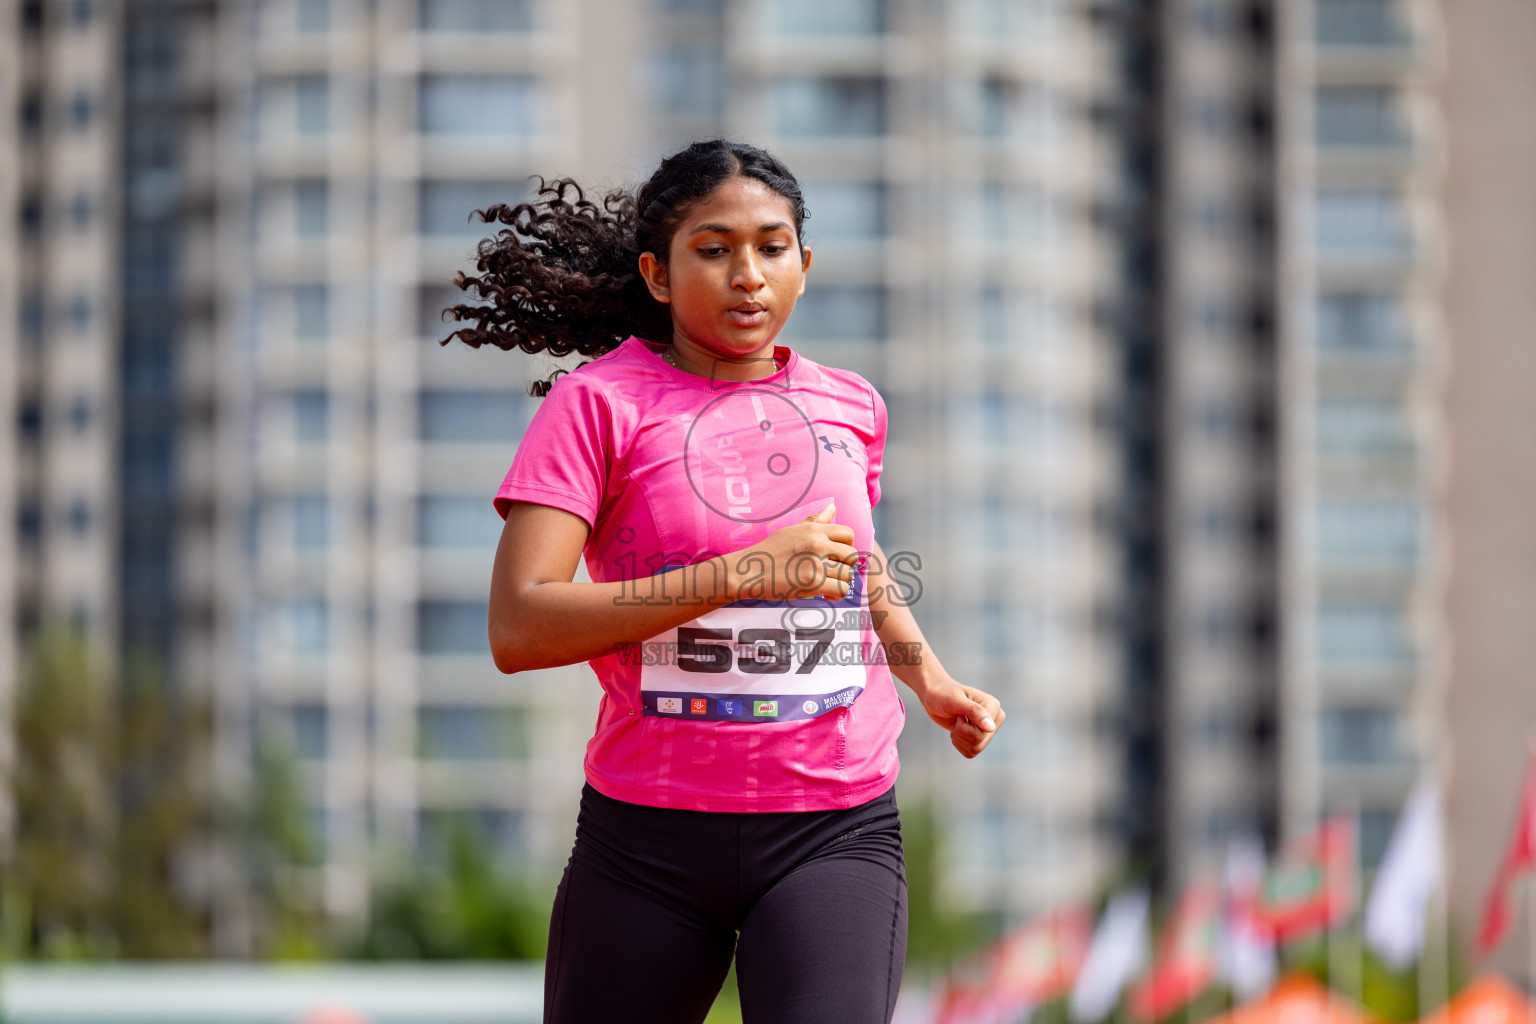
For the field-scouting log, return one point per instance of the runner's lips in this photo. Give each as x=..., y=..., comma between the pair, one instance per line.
x=748, y=314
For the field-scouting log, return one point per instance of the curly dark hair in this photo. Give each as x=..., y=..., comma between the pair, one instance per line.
x=564, y=275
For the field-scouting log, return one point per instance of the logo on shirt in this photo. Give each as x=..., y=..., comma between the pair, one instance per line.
x=698, y=706
x=810, y=707
x=765, y=708
x=669, y=705
x=728, y=707
x=829, y=446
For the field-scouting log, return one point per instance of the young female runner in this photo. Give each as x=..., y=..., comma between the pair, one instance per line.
x=743, y=620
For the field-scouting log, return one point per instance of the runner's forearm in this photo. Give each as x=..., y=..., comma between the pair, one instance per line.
x=915, y=664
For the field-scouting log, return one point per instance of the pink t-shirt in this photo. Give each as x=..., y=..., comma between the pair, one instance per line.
x=757, y=705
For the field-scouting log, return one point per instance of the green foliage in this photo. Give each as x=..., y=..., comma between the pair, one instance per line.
x=104, y=786
x=279, y=860
x=459, y=907
x=936, y=934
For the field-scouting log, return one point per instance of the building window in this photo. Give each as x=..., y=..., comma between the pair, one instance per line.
x=827, y=106
x=456, y=733
x=691, y=81
x=445, y=206
x=1360, y=736
x=311, y=415
x=451, y=627
x=464, y=416
x=81, y=312
x=311, y=731
x=311, y=311
x=311, y=208
x=1363, y=429
x=828, y=17
x=81, y=210
x=79, y=517
x=82, y=109
x=845, y=209
x=838, y=313
x=311, y=521
x=1359, y=221
x=80, y=414
x=992, y=314
x=1369, y=530
x=305, y=625
x=499, y=833
x=456, y=521
x=475, y=15
x=489, y=104
x=1358, y=116
x=312, y=15
x=1366, y=23
x=994, y=97
x=82, y=12
x=1359, y=321
x=312, y=104
x=1362, y=635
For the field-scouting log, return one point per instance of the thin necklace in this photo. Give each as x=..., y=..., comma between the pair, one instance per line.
x=671, y=359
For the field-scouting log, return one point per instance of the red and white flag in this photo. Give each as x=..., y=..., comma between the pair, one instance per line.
x=1186, y=956
x=1312, y=886
x=1498, y=916
x=1248, y=962
x=1032, y=965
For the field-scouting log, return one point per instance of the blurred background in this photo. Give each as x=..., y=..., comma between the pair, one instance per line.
x=1204, y=327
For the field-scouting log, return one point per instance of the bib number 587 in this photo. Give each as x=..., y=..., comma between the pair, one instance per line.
x=763, y=651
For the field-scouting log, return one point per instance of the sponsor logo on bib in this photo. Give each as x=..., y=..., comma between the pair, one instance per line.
x=698, y=706
x=765, y=708
x=810, y=707
x=669, y=705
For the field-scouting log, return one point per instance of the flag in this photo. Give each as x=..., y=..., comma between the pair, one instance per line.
x=1247, y=949
x=1520, y=859
x=1410, y=870
x=1312, y=887
x=1034, y=964
x=1186, y=956
x=1118, y=951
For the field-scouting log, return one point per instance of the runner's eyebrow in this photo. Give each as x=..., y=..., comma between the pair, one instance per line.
x=724, y=229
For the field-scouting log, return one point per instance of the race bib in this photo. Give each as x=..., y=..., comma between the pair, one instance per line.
x=761, y=661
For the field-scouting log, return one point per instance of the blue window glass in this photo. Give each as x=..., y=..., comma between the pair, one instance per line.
x=499, y=832
x=1359, y=221
x=81, y=210
x=81, y=312
x=312, y=15
x=312, y=104
x=82, y=108
x=828, y=17
x=992, y=314
x=31, y=316
x=994, y=100
x=456, y=733
x=445, y=205
x=476, y=15
x=1363, y=429
x=451, y=627
x=691, y=80
x=80, y=414
x=1358, y=116
x=466, y=416
x=311, y=311
x=1369, y=530
x=1360, y=736
x=311, y=415
x=311, y=208
x=1360, y=321
x=311, y=731
x=311, y=521
x=306, y=625
x=456, y=521
x=482, y=104
x=82, y=11
x=838, y=313
x=844, y=209
x=1362, y=635
x=79, y=517
x=825, y=106
x=1360, y=23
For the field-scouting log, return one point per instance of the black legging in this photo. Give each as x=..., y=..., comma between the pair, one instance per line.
x=646, y=916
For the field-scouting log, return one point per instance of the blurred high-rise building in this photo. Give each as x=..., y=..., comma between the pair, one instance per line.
x=1150, y=289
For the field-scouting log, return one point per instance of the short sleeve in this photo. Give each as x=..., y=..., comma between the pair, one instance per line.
x=876, y=446
x=564, y=455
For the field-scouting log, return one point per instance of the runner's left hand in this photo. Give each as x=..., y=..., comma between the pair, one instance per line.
x=972, y=716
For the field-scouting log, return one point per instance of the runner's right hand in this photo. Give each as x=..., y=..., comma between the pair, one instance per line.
x=812, y=558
